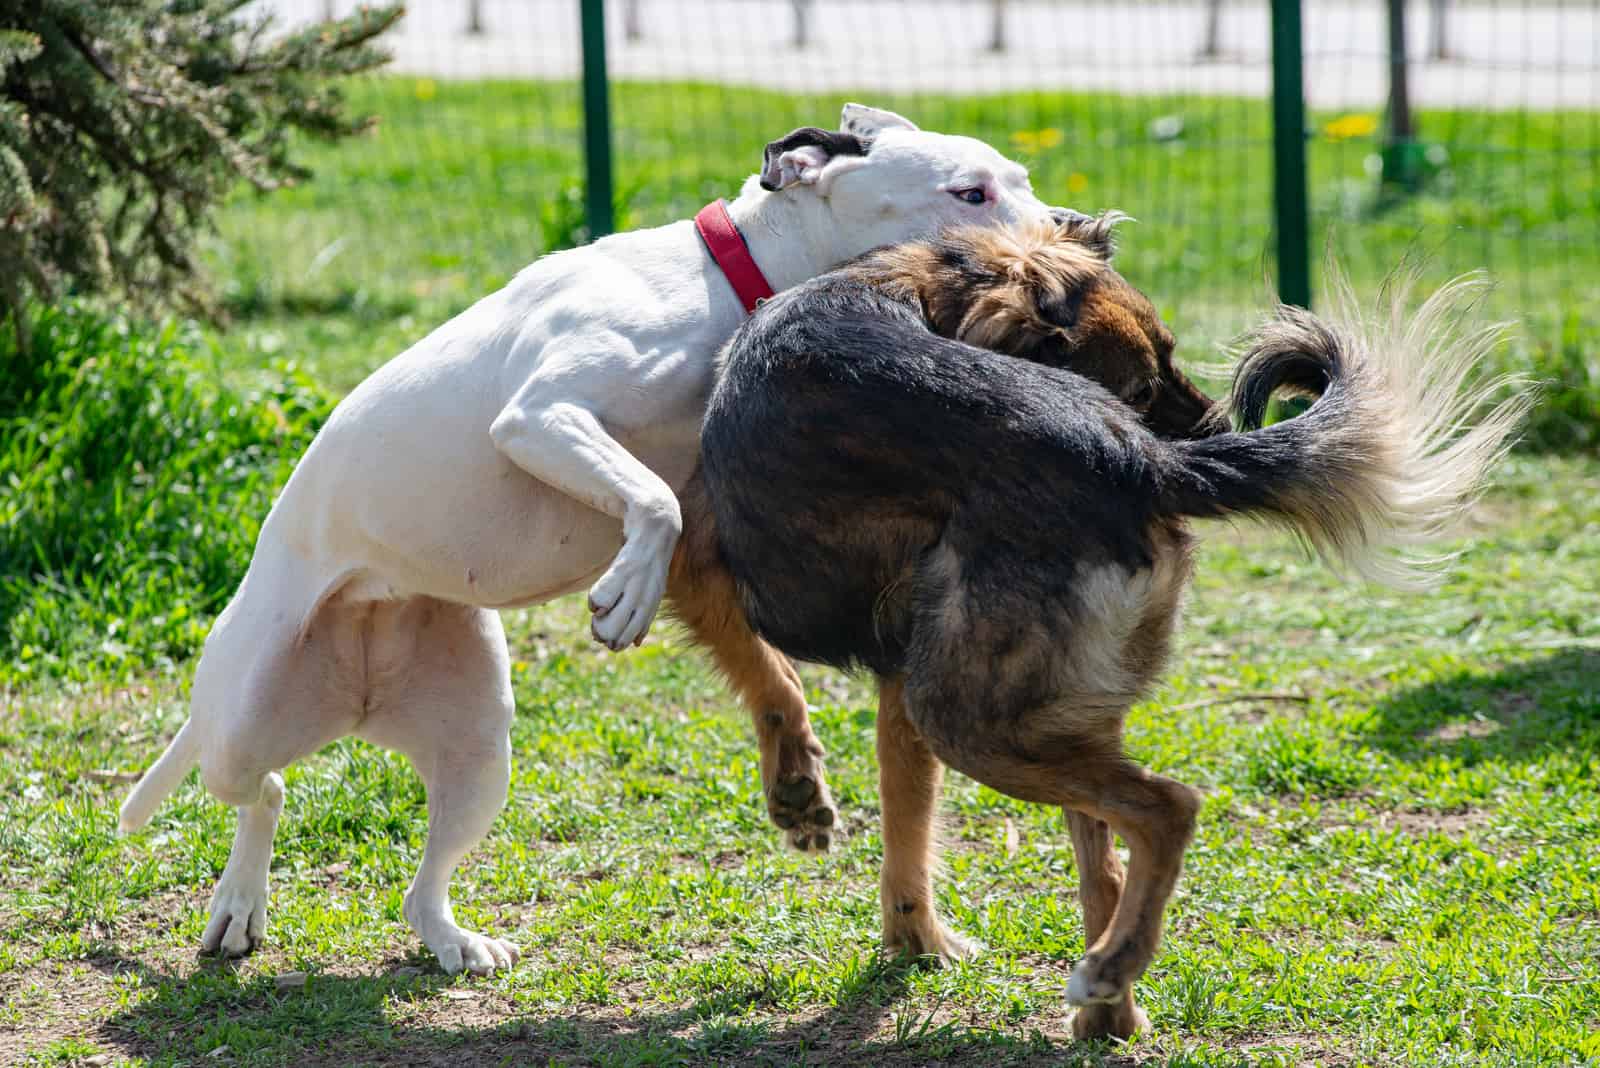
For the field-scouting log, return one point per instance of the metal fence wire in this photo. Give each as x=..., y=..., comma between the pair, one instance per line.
x=1483, y=155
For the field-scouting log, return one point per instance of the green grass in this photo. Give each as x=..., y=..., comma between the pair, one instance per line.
x=465, y=183
x=1395, y=868
x=134, y=484
x=1398, y=869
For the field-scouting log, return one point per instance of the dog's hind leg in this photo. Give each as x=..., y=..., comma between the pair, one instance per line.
x=441, y=694
x=909, y=777
x=1156, y=817
x=1055, y=754
x=1100, y=878
x=702, y=595
x=238, y=918
x=262, y=700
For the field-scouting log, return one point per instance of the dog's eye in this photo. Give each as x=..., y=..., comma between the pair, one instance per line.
x=971, y=196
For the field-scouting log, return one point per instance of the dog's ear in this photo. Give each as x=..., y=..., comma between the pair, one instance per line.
x=1060, y=305
x=801, y=157
x=868, y=122
x=1094, y=232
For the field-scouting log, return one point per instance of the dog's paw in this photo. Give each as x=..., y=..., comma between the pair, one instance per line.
x=238, y=920
x=911, y=930
x=457, y=949
x=1093, y=982
x=798, y=800
x=466, y=950
x=625, y=599
x=1118, y=1020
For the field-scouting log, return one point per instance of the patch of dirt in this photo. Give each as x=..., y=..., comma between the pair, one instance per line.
x=57, y=1000
x=471, y=1030
x=1512, y=706
x=1265, y=828
x=722, y=859
x=1308, y=1049
x=1446, y=733
x=1451, y=824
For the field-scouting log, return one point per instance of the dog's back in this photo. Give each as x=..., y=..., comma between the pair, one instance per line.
x=861, y=466
x=847, y=448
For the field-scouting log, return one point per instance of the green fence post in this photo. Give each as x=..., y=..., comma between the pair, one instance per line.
x=1403, y=155
x=1290, y=206
x=596, y=119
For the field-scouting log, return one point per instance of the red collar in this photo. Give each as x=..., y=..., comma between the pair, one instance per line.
x=727, y=247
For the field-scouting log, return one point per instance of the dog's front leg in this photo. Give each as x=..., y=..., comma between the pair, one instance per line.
x=701, y=593
x=564, y=444
x=909, y=778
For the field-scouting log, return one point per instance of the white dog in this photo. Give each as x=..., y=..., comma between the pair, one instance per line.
x=502, y=461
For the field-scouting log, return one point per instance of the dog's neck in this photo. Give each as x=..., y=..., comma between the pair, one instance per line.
x=792, y=238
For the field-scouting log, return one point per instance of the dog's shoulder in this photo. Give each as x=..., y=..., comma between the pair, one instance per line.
x=827, y=326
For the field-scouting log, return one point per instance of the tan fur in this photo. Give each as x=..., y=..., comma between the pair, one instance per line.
x=1040, y=265
x=701, y=596
x=909, y=778
x=1031, y=261
x=1100, y=880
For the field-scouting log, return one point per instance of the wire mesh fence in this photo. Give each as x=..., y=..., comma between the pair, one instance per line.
x=1159, y=109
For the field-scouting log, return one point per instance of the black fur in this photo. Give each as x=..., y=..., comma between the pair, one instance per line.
x=1003, y=541
x=833, y=142
x=846, y=443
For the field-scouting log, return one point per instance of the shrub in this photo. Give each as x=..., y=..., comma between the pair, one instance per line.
x=1567, y=417
x=124, y=122
x=132, y=486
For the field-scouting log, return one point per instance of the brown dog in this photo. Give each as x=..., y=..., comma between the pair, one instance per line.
x=1005, y=543
x=1091, y=320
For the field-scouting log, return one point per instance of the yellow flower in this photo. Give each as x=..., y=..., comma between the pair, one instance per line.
x=426, y=89
x=1077, y=183
x=1347, y=126
x=1034, y=140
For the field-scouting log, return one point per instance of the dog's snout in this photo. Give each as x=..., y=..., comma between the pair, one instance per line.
x=1183, y=411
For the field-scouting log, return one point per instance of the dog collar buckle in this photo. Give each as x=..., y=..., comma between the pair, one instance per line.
x=730, y=253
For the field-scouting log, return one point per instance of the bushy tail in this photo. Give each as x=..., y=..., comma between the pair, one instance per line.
x=162, y=778
x=1394, y=449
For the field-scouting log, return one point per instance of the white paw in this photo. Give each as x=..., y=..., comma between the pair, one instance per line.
x=238, y=917
x=1085, y=987
x=458, y=949
x=625, y=599
x=959, y=949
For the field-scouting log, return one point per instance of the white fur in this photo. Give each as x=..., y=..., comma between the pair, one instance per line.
x=529, y=447
x=1113, y=601
x=1083, y=990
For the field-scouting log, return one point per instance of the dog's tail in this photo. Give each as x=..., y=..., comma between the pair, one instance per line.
x=1391, y=452
x=162, y=778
